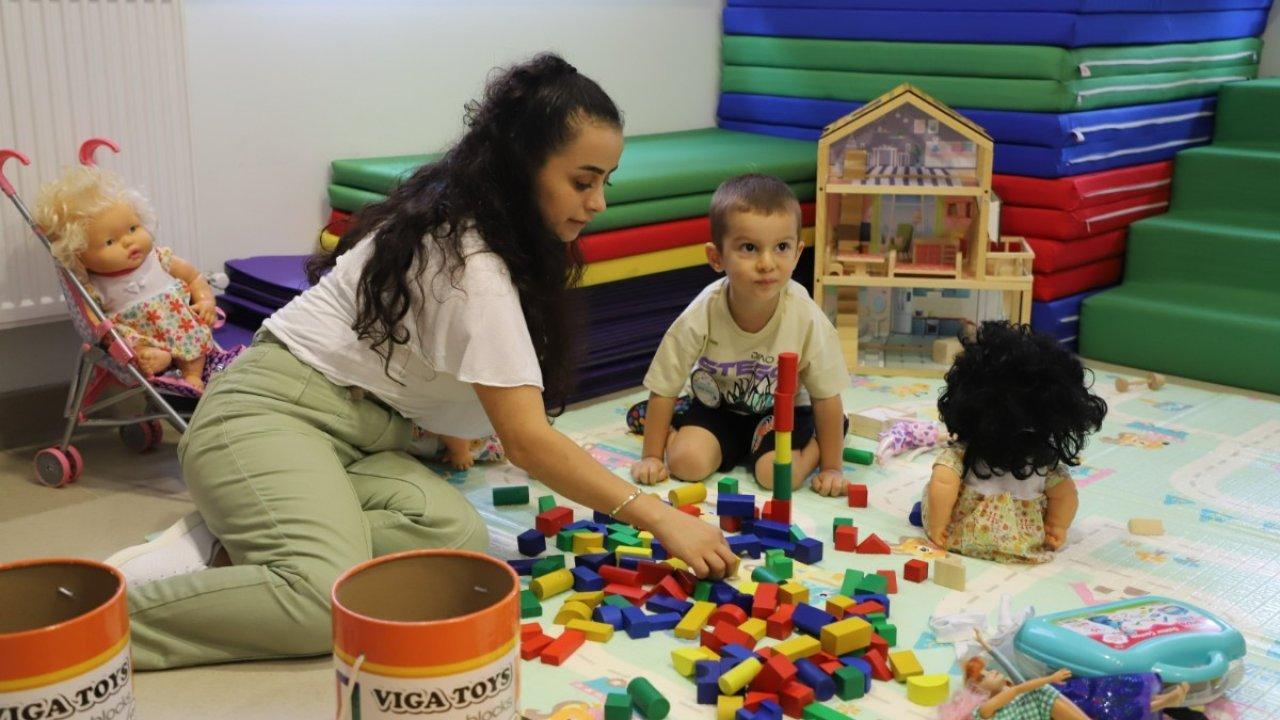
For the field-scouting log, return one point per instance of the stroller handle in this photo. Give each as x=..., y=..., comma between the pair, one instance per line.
x=90, y=146
x=5, y=155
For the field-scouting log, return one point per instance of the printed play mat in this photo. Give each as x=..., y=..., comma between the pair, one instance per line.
x=1204, y=462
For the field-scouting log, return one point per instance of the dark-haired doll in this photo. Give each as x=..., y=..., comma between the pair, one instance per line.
x=1019, y=409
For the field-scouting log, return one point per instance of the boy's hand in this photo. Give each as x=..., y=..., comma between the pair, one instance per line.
x=829, y=483
x=698, y=543
x=649, y=471
x=1054, y=537
x=939, y=539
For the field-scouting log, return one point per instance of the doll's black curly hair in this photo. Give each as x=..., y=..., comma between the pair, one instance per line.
x=1018, y=402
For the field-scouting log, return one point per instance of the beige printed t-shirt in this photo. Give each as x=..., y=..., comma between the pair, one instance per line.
x=729, y=368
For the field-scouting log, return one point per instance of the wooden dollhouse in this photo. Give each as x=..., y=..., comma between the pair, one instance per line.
x=908, y=248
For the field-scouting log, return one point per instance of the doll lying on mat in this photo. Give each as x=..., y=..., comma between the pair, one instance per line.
x=160, y=304
x=461, y=453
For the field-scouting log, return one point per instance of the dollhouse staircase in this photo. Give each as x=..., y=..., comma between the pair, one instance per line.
x=1201, y=292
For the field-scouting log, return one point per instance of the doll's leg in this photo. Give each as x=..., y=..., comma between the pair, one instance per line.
x=153, y=360
x=191, y=371
x=457, y=452
x=1170, y=698
x=1064, y=709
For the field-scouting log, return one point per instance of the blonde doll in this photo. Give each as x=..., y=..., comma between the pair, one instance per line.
x=160, y=304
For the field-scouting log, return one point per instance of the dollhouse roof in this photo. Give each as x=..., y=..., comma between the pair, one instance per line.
x=906, y=93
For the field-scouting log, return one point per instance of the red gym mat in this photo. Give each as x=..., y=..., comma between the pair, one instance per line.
x=1082, y=191
x=1052, y=286
x=1081, y=223
x=1057, y=255
x=626, y=242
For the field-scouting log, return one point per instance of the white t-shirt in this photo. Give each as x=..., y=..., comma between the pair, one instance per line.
x=730, y=368
x=472, y=333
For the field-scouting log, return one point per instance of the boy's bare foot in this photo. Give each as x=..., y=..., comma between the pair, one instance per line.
x=649, y=471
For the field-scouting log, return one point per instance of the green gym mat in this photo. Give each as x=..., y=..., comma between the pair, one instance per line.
x=1247, y=115
x=632, y=214
x=985, y=92
x=1032, y=62
x=656, y=166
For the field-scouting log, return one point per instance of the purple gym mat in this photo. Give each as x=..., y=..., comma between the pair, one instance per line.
x=281, y=276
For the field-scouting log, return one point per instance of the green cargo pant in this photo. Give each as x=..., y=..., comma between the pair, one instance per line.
x=301, y=480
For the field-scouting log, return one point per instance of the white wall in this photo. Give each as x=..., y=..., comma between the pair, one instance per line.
x=278, y=88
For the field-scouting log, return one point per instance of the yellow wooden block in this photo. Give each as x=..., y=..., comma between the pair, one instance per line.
x=552, y=583
x=727, y=706
x=677, y=563
x=693, y=621
x=782, y=446
x=594, y=549
x=845, y=636
x=640, y=552
x=755, y=627
x=802, y=646
x=904, y=665
x=737, y=678
x=688, y=494
x=1146, y=526
x=591, y=599
x=646, y=538
x=685, y=658
x=838, y=605
x=584, y=540
x=928, y=690
x=571, y=611
x=793, y=593
x=597, y=631
x=747, y=587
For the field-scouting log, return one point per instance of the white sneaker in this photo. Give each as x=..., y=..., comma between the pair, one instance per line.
x=185, y=547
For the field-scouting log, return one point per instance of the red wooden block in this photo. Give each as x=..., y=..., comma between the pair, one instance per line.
x=688, y=581
x=730, y=524
x=794, y=697
x=621, y=576
x=755, y=513
x=915, y=570
x=767, y=511
x=670, y=586
x=532, y=629
x=847, y=538
x=822, y=656
x=778, y=625
x=766, y=601
x=753, y=699
x=635, y=595
x=892, y=577
x=879, y=666
x=693, y=510
x=781, y=512
x=879, y=643
x=532, y=647
x=766, y=653
x=553, y=521
x=775, y=674
x=866, y=608
x=830, y=667
x=652, y=572
x=728, y=634
x=562, y=647
x=728, y=613
x=857, y=496
x=873, y=545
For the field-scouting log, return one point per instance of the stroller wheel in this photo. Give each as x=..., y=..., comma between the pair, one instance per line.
x=53, y=467
x=77, y=463
x=140, y=437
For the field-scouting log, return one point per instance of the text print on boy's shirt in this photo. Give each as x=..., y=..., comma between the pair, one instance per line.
x=729, y=368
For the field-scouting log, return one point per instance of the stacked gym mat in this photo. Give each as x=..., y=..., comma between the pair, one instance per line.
x=644, y=254
x=1200, y=296
x=1087, y=100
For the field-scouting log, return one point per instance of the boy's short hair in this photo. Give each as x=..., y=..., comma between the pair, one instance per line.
x=753, y=192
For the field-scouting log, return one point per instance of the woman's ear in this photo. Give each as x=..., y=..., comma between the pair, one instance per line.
x=714, y=258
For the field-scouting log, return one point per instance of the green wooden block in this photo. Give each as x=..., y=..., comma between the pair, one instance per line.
x=622, y=529
x=511, y=495
x=851, y=684
x=613, y=542
x=702, y=591
x=651, y=703
x=617, y=602
x=876, y=618
x=727, y=486
x=564, y=540
x=617, y=706
x=546, y=502
x=548, y=564
x=773, y=554
x=849, y=587
x=818, y=711
x=889, y=632
x=782, y=567
x=764, y=574
x=529, y=605
x=873, y=584
x=837, y=522
x=861, y=457
x=781, y=481
x=797, y=534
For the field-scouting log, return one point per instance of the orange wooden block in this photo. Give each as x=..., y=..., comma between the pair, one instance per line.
x=753, y=699
x=669, y=585
x=847, y=538
x=562, y=647
x=693, y=510
x=620, y=576
x=766, y=601
x=873, y=545
x=795, y=696
x=633, y=594
x=778, y=625
x=730, y=524
x=532, y=629
x=879, y=665
x=775, y=674
x=532, y=647
x=727, y=613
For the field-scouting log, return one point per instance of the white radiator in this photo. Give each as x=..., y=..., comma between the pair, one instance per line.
x=73, y=69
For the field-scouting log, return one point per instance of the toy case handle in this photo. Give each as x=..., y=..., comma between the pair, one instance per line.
x=1215, y=668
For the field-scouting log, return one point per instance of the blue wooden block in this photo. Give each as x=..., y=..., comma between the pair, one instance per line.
x=665, y=621
x=821, y=683
x=659, y=552
x=735, y=652
x=722, y=593
x=629, y=562
x=810, y=620
x=602, y=518
x=742, y=545
x=786, y=546
x=667, y=604
x=586, y=580
x=608, y=614
x=772, y=530
x=708, y=691
x=863, y=665
x=636, y=623
x=768, y=710
x=593, y=560
x=743, y=506
x=916, y=518
x=523, y=566
x=580, y=525
x=874, y=597
x=745, y=602
x=531, y=542
x=808, y=551
x=744, y=714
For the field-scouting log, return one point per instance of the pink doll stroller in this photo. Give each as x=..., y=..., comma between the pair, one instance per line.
x=105, y=357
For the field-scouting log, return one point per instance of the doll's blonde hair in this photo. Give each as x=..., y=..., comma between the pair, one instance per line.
x=66, y=205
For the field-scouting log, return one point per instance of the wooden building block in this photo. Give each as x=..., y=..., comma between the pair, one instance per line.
x=1146, y=526
x=562, y=647
x=904, y=665
x=845, y=636
x=949, y=572
x=915, y=570
x=928, y=690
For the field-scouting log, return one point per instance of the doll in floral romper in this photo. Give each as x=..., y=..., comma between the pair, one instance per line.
x=1019, y=409
x=160, y=304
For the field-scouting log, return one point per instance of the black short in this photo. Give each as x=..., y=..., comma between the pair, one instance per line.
x=736, y=432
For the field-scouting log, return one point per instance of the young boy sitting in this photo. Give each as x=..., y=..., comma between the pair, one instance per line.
x=729, y=338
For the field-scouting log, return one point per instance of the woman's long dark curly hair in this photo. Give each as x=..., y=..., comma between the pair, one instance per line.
x=1018, y=402
x=486, y=180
